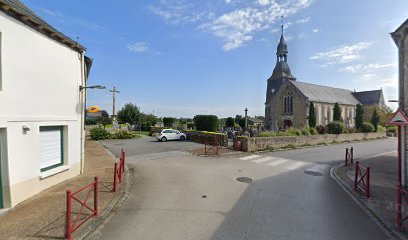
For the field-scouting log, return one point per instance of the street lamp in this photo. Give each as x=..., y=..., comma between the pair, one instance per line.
x=91, y=87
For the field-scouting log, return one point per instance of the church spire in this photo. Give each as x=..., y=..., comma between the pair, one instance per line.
x=282, y=69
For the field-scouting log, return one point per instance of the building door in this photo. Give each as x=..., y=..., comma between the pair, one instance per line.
x=287, y=124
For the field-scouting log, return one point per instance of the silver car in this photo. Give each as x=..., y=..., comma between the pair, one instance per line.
x=170, y=134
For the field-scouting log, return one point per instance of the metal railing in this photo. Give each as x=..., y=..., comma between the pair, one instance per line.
x=73, y=224
x=119, y=170
x=349, y=156
x=362, y=179
x=211, y=146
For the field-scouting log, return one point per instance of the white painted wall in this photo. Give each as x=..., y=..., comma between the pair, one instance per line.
x=40, y=81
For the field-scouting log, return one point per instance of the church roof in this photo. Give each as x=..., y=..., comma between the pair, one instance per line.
x=282, y=70
x=318, y=93
x=369, y=97
x=282, y=46
x=16, y=9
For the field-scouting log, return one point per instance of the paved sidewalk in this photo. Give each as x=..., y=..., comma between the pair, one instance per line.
x=43, y=216
x=381, y=206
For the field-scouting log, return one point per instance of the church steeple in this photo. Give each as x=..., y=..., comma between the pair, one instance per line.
x=282, y=69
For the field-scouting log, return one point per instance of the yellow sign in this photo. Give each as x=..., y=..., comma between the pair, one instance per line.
x=93, y=109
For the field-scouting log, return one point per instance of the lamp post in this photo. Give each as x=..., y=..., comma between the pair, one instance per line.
x=246, y=118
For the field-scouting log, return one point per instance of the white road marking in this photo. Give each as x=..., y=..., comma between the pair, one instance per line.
x=249, y=157
x=264, y=159
x=277, y=162
x=295, y=165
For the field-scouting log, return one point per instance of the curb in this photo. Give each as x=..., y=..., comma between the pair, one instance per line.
x=391, y=234
x=93, y=231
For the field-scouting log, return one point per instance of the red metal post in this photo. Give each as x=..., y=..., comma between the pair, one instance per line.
x=352, y=155
x=367, y=190
x=120, y=171
x=123, y=161
x=115, y=176
x=356, y=175
x=399, y=209
x=96, y=197
x=68, y=227
x=346, y=157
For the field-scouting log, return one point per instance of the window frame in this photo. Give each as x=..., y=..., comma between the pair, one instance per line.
x=52, y=128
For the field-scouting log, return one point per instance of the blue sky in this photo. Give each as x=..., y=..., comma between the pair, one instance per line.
x=181, y=58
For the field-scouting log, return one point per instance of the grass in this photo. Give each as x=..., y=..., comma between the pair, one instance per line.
x=145, y=133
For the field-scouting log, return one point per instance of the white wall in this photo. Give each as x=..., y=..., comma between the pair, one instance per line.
x=40, y=81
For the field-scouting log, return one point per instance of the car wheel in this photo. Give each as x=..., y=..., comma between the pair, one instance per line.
x=182, y=138
x=163, y=139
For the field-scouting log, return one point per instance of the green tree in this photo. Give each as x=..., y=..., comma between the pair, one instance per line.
x=168, y=121
x=129, y=114
x=206, y=122
x=375, y=119
x=104, y=119
x=312, y=116
x=230, y=122
x=241, y=122
x=147, y=120
x=337, y=112
x=359, y=116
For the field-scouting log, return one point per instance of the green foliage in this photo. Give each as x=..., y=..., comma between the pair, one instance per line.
x=206, y=122
x=190, y=125
x=313, y=131
x=90, y=122
x=129, y=114
x=337, y=113
x=168, y=121
x=367, y=127
x=122, y=134
x=305, y=131
x=349, y=130
x=335, y=127
x=312, y=116
x=230, y=122
x=380, y=128
x=375, y=119
x=241, y=122
x=321, y=129
x=99, y=134
x=359, y=116
x=147, y=120
x=392, y=129
x=104, y=119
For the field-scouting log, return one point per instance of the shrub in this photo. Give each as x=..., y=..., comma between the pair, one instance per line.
x=337, y=112
x=99, y=134
x=230, y=122
x=335, y=127
x=168, y=121
x=267, y=134
x=380, y=128
x=206, y=122
x=312, y=116
x=350, y=130
x=359, y=116
x=375, y=119
x=305, y=131
x=122, y=134
x=190, y=125
x=321, y=129
x=367, y=127
x=313, y=131
x=392, y=129
x=90, y=122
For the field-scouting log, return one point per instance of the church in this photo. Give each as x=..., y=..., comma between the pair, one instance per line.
x=288, y=100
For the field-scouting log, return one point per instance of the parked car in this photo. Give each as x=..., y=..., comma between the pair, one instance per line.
x=170, y=134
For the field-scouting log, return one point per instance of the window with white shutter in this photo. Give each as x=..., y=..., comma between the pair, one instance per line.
x=51, y=147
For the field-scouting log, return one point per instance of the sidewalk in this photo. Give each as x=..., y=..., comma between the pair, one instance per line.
x=381, y=206
x=43, y=216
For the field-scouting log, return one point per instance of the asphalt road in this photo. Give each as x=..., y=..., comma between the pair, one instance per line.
x=292, y=196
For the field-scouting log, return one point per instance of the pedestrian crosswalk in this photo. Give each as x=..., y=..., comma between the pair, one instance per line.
x=285, y=163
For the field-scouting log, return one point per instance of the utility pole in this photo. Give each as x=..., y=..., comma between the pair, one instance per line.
x=246, y=118
x=114, y=91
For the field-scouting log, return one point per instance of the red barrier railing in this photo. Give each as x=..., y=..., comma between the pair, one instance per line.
x=349, y=156
x=73, y=225
x=119, y=170
x=362, y=179
x=211, y=147
x=402, y=196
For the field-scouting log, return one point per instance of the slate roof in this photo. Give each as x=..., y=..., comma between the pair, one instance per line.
x=318, y=93
x=21, y=12
x=368, y=97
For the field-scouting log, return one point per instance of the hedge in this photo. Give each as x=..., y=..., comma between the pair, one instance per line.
x=206, y=123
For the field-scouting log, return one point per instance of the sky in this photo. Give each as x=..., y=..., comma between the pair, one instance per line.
x=180, y=58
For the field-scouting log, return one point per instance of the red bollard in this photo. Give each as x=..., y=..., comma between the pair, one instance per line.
x=367, y=190
x=399, y=210
x=351, y=155
x=356, y=175
x=68, y=228
x=346, y=157
x=115, y=176
x=96, y=197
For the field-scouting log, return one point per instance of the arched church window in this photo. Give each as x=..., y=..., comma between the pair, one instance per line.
x=288, y=104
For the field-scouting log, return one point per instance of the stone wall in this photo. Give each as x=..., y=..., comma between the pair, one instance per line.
x=263, y=143
x=201, y=137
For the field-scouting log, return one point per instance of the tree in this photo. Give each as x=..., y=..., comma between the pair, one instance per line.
x=147, y=120
x=337, y=112
x=237, y=118
x=230, y=122
x=241, y=122
x=375, y=119
x=206, y=122
x=312, y=116
x=129, y=114
x=104, y=119
x=359, y=116
x=168, y=121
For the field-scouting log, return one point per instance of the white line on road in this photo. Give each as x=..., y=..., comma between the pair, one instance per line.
x=264, y=159
x=249, y=157
x=277, y=162
x=295, y=165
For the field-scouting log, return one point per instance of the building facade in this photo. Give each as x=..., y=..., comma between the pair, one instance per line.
x=41, y=104
x=288, y=100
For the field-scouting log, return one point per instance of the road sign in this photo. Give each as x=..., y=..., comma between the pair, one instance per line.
x=93, y=109
x=398, y=119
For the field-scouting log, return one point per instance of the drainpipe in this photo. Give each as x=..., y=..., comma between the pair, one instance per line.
x=82, y=102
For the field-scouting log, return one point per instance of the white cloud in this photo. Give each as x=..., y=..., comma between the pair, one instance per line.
x=304, y=20
x=315, y=30
x=138, y=47
x=365, y=67
x=342, y=54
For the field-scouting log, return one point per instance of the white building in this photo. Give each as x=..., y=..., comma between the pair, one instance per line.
x=41, y=104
